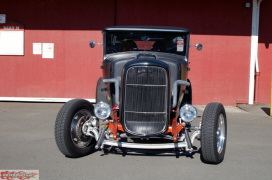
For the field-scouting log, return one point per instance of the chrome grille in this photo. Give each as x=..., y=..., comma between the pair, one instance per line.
x=145, y=100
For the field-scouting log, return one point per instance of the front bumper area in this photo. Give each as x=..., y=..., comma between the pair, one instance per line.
x=182, y=144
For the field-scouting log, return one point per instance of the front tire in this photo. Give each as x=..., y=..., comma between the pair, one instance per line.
x=68, y=128
x=213, y=133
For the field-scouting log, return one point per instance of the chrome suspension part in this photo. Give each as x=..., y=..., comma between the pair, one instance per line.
x=90, y=127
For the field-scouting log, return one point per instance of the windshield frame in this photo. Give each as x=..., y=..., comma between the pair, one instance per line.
x=148, y=36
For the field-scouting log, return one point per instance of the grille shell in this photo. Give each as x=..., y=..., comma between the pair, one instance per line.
x=145, y=100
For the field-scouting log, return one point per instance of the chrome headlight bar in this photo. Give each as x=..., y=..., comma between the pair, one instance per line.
x=116, y=85
x=175, y=90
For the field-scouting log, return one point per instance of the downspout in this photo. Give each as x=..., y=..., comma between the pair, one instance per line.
x=254, y=66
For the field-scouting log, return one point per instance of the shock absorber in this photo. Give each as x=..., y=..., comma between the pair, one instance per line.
x=188, y=140
x=101, y=137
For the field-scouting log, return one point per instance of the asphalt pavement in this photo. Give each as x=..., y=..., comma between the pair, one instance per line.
x=27, y=143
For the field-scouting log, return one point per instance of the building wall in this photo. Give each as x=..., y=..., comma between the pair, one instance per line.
x=265, y=53
x=70, y=26
x=220, y=72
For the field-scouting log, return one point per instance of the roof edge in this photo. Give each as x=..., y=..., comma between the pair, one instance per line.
x=147, y=28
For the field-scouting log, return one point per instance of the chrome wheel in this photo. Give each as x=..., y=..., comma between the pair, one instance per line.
x=69, y=135
x=220, y=134
x=77, y=136
x=213, y=133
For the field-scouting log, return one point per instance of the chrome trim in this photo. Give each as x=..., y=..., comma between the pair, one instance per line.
x=92, y=44
x=198, y=46
x=93, y=132
x=221, y=134
x=175, y=90
x=101, y=138
x=144, y=145
x=152, y=146
x=194, y=135
x=145, y=110
x=90, y=127
x=116, y=85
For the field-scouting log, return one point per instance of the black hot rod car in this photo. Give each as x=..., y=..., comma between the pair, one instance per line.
x=144, y=94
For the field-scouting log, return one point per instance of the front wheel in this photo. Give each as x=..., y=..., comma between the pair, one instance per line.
x=69, y=137
x=213, y=133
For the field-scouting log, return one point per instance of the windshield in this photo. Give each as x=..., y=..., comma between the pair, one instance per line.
x=146, y=41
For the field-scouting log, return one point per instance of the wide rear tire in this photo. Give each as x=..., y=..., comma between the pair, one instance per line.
x=213, y=133
x=68, y=128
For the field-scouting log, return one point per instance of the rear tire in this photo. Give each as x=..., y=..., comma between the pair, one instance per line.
x=68, y=128
x=213, y=134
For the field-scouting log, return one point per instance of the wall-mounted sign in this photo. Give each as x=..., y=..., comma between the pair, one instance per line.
x=11, y=39
x=2, y=18
x=37, y=48
x=48, y=50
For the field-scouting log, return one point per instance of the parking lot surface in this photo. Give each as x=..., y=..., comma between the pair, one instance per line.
x=27, y=143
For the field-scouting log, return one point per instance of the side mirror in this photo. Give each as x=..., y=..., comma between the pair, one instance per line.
x=92, y=44
x=198, y=46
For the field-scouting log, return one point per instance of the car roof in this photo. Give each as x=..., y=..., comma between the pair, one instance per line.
x=146, y=28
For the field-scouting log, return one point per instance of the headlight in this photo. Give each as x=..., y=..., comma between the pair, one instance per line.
x=102, y=110
x=188, y=113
